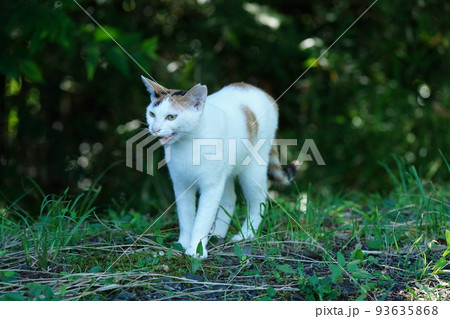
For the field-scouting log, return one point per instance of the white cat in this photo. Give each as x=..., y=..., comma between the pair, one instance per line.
x=212, y=140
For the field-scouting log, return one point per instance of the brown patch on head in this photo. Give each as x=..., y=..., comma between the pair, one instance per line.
x=241, y=85
x=178, y=97
x=251, y=122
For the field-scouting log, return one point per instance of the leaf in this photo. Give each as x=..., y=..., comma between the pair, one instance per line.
x=63, y=290
x=440, y=263
x=106, y=33
x=286, y=269
x=199, y=249
x=340, y=259
x=361, y=274
x=31, y=70
x=353, y=265
x=374, y=244
x=95, y=269
x=48, y=292
x=10, y=273
x=238, y=251
x=314, y=280
x=271, y=292
x=169, y=253
x=357, y=272
x=358, y=255
x=13, y=296
x=336, y=272
x=178, y=247
x=311, y=63
x=195, y=265
x=447, y=238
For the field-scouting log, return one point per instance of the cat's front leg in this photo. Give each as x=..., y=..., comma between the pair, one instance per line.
x=185, y=197
x=204, y=220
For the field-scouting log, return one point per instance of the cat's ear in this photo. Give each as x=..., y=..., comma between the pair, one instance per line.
x=198, y=96
x=153, y=88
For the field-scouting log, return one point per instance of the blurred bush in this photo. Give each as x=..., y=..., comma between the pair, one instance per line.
x=71, y=96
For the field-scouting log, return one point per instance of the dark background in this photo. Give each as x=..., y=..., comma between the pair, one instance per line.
x=71, y=97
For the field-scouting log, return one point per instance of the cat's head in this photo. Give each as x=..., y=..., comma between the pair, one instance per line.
x=173, y=114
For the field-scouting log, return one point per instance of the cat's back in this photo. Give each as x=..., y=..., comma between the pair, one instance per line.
x=240, y=95
x=244, y=107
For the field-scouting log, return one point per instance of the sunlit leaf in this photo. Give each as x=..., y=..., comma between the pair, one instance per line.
x=311, y=62
x=107, y=33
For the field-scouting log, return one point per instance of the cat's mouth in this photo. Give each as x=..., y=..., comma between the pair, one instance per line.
x=166, y=139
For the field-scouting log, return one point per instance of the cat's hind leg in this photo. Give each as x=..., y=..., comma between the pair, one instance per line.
x=225, y=211
x=253, y=182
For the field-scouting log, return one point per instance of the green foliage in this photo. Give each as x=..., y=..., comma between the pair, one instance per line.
x=59, y=224
x=35, y=292
x=389, y=248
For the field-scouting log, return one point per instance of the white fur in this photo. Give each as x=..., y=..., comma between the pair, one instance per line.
x=218, y=116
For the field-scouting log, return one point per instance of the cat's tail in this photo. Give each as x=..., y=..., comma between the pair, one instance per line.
x=281, y=175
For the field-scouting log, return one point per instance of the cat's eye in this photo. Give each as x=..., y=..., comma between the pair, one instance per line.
x=171, y=117
x=152, y=114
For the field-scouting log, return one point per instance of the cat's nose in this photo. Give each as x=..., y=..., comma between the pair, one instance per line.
x=156, y=129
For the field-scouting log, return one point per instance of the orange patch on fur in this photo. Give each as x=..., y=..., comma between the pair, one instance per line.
x=241, y=85
x=179, y=98
x=251, y=122
x=274, y=167
x=273, y=152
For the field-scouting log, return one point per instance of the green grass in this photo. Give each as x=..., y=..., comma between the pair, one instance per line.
x=349, y=247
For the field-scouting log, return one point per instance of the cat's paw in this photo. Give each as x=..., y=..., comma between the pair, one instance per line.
x=192, y=251
x=184, y=241
x=237, y=237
